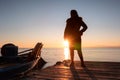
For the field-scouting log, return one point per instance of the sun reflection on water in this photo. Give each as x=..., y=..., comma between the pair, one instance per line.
x=66, y=49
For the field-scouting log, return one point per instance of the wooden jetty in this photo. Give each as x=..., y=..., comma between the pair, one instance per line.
x=92, y=71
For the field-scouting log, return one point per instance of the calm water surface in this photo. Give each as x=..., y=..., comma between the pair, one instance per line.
x=52, y=55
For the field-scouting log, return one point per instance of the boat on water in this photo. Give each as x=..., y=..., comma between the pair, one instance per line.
x=13, y=65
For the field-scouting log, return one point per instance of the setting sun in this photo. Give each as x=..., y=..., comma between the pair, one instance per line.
x=66, y=49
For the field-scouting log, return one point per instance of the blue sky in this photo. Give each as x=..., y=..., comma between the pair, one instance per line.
x=26, y=22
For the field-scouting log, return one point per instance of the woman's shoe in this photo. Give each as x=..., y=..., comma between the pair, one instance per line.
x=71, y=64
x=83, y=65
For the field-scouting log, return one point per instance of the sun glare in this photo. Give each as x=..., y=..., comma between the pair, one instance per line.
x=66, y=49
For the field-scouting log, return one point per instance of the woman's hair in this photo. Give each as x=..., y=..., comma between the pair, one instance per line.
x=73, y=13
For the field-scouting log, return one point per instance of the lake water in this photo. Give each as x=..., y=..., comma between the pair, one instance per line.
x=52, y=55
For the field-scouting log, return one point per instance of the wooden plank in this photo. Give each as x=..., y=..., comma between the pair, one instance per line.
x=92, y=71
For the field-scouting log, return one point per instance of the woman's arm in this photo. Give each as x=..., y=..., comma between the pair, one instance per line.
x=84, y=27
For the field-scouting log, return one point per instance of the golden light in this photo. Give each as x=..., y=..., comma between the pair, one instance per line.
x=66, y=49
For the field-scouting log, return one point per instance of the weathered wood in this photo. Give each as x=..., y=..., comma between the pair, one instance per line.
x=92, y=71
x=12, y=66
x=25, y=51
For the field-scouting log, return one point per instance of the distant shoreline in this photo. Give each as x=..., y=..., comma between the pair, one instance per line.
x=63, y=47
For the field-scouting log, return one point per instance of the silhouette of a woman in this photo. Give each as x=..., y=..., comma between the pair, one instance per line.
x=73, y=32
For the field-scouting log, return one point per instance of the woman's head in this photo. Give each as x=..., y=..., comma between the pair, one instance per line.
x=73, y=13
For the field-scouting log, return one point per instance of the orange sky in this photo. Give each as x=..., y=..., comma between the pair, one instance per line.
x=25, y=23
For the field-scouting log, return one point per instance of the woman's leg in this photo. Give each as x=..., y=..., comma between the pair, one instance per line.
x=81, y=57
x=72, y=55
